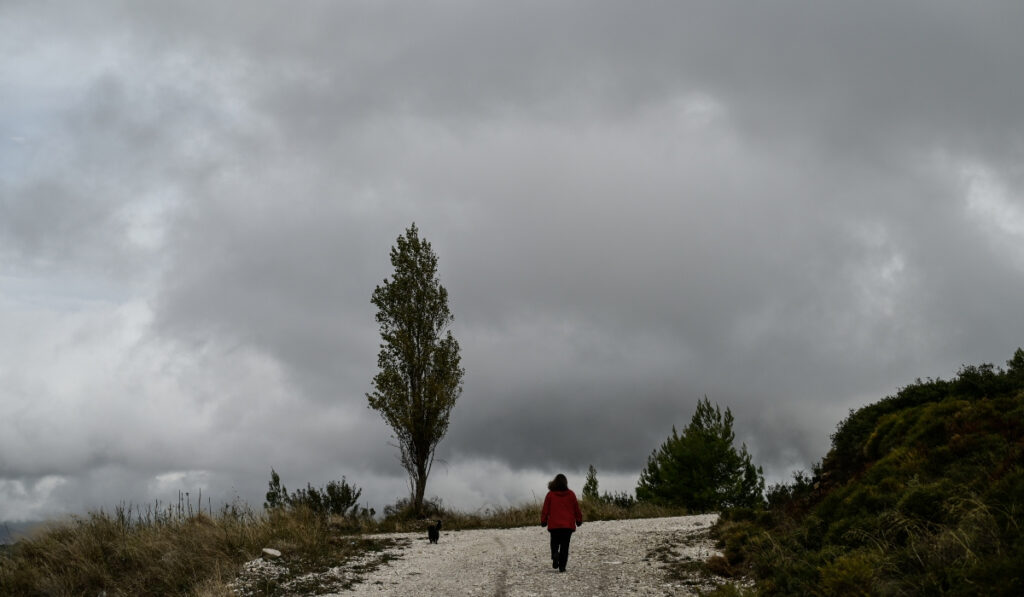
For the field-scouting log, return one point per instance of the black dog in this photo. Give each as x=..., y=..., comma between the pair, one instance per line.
x=434, y=532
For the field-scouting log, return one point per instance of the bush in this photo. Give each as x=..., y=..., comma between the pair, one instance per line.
x=850, y=574
x=719, y=566
x=404, y=509
x=338, y=498
x=619, y=499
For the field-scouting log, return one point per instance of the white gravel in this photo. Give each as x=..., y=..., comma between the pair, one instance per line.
x=606, y=558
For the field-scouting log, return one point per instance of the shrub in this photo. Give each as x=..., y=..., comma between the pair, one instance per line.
x=619, y=499
x=850, y=574
x=338, y=498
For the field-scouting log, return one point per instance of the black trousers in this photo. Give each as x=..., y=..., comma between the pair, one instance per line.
x=560, y=545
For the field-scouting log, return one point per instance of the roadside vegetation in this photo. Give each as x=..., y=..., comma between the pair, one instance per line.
x=397, y=517
x=180, y=550
x=175, y=550
x=922, y=493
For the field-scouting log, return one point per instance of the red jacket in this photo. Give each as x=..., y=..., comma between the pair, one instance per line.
x=561, y=510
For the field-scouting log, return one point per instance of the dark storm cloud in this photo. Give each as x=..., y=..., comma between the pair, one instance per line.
x=791, y=208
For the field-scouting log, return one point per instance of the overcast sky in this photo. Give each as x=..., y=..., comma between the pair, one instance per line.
x=793, y=208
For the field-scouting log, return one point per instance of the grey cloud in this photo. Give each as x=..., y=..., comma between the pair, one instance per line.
x=633, y=206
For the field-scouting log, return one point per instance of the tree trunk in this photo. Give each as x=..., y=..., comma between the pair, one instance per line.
x=421, y=487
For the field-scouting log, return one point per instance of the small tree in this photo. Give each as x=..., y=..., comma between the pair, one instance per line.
x=700, y=469
x=420, y=375
x=590, y=486
x=340, y=498
x=277, y=495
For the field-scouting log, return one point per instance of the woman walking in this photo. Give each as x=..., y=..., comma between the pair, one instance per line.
x=561, y=515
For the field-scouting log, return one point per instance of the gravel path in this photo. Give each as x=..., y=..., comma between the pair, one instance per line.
x=620, y=557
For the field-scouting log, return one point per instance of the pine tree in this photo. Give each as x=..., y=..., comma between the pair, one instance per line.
x=590, y=486
x=700, y=469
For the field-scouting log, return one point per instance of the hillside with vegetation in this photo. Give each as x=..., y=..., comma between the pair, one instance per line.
x=921, y=493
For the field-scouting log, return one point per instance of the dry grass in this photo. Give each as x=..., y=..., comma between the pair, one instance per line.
x=484, y=518
x=182, y=551
x=155, y=552
x=604, y=510
x=523, y=515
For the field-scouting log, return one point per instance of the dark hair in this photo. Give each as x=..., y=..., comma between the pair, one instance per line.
x=559, y=483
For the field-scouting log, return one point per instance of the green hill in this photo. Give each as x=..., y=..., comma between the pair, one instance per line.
x=922, y=493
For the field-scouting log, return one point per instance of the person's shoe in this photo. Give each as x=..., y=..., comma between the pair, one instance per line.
x=554, y=562
x=561, y=568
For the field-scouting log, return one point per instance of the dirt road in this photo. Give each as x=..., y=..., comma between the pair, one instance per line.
x=622, y=557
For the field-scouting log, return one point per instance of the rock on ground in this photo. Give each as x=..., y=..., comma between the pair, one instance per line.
x=620, y=557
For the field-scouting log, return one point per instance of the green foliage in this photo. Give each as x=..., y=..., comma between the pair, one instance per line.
x=590, y=486
x=700, y=469
x=795, y=497
x=277, y=495
x=850, y=574
x=922, y=493
x=338, y=498
x=620, y=500
x=404, y=509
x=420, y=374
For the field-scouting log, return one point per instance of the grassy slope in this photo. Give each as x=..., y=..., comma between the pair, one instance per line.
x=167, y=553
x=921, y=493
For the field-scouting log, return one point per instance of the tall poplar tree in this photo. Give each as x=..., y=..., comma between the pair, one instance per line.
x=420, y=376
